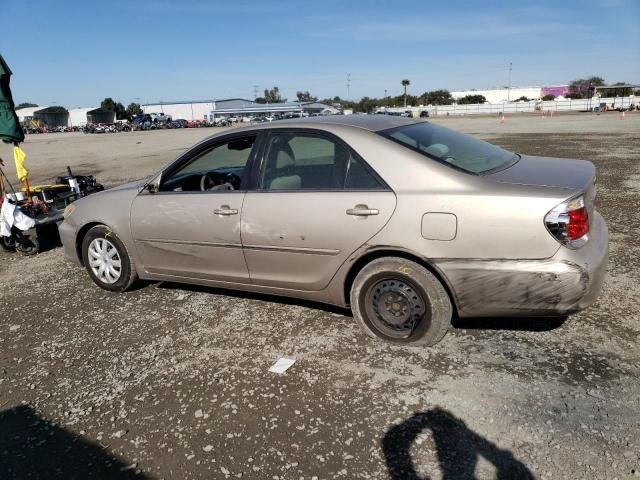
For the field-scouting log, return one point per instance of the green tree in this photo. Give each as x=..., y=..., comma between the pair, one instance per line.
x=260, y=100
x=273, y=96
x=523, y=98
x=306, y=97
x=133, y=109
x=25, y=105
x=108, y=104
x=437, y=97
x=583, y=87
x=471, y=99
x=112, y=106
x=549, y=97
x=405, y=83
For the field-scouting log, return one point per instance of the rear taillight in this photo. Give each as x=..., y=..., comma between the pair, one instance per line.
x=569, y=222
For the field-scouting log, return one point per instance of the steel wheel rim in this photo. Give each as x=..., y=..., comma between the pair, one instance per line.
x=104, y=260
x=395, y=307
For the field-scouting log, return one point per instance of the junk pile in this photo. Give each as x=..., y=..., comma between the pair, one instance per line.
x=29, y=216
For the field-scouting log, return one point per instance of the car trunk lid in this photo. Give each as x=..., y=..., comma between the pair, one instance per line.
x=548, y=172
x=577, y=177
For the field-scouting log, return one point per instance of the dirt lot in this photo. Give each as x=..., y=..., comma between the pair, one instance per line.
x=171, y=382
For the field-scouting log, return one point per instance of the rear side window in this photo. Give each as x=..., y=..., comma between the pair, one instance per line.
x=301, y=161
x=450, y=147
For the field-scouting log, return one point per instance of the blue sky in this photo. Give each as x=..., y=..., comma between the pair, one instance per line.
x=76, y=53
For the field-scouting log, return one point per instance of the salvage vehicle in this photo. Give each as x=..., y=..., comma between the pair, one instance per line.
x=406, y=222
x=45, y=205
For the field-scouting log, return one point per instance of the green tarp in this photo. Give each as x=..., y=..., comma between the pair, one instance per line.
x=10, y=130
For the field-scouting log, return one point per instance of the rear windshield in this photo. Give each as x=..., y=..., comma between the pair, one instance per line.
x=448, y=146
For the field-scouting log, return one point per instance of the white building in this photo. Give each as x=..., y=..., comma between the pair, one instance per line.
x=79, y=117
x=27, y=114
x=501, y=95
x=195, y=109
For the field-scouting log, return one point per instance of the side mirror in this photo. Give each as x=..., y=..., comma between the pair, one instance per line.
x=151, y=187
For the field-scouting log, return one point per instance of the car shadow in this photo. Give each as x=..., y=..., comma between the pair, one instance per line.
x=458, y=449
x=527, y=324
x=48, y=237
x=31, y=447
x=256, y=296
x=530, y=324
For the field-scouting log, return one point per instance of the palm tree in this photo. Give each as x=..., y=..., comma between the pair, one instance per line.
x=405, y=83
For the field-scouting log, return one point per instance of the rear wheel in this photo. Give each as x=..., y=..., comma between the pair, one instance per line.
x=26, y=243
x=107, y=260
x=400, y=301
x=9, y=243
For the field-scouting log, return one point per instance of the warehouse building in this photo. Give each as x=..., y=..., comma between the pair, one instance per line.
x=208, y=109
x=79, y=117
x=49, y=116
x=195, y=109
x=502, y=95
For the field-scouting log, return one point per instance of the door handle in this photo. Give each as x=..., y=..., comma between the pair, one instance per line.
x=226, y=210
x=362, y=211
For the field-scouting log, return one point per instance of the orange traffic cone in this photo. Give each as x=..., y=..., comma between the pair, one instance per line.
x=622, y=115
x=502, y=118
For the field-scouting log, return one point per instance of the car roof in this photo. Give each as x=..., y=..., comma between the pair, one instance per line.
x=374, y=123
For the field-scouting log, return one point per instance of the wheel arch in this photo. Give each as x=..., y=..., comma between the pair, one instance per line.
x=371, y=255
x=80, y=237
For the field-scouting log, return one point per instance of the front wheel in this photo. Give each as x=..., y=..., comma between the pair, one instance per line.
x=401, y=302
x=107, y=260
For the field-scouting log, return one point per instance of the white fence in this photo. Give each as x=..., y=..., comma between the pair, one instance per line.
x=523, y=107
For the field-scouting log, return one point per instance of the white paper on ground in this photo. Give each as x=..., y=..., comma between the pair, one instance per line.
x=282, y=365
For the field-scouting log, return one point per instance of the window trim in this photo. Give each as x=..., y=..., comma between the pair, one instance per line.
x=207, y=145
x=260, y=163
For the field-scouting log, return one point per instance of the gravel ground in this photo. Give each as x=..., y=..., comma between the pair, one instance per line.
x=171, y=381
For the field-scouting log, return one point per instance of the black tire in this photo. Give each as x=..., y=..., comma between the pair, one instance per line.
x=8, y=244
x=401, y=302
x=27, y=243
x=127, y=274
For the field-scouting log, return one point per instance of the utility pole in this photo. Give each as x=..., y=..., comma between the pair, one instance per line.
x=348, y=86
x=255, y=92
x=509, y=86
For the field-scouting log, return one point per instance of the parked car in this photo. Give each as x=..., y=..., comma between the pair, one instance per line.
x=160, y=118
x=179, y=123
x=404, y=221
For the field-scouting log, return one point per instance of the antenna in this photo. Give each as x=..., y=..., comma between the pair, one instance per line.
x=255, y=92
x=348, y=86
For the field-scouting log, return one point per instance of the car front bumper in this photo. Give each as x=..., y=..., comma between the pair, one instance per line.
x=68, y=234
x=569, y=281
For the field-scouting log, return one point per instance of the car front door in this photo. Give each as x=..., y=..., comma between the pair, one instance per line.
x=316, y=202
x=190, y=227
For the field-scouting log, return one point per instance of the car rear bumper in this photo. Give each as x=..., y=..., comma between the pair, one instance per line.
x=68, y=232
x=569, y=281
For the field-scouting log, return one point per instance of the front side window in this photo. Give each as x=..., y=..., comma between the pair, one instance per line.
x=220, y=168
x=450, y=147
x=301, y=161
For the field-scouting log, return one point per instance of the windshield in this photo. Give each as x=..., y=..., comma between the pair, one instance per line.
x=448, y=146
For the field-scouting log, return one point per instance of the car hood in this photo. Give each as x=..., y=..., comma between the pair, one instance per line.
x=547, y=172
x=135, y=185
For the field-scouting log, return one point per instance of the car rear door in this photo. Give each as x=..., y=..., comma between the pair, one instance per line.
x=316, y=202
